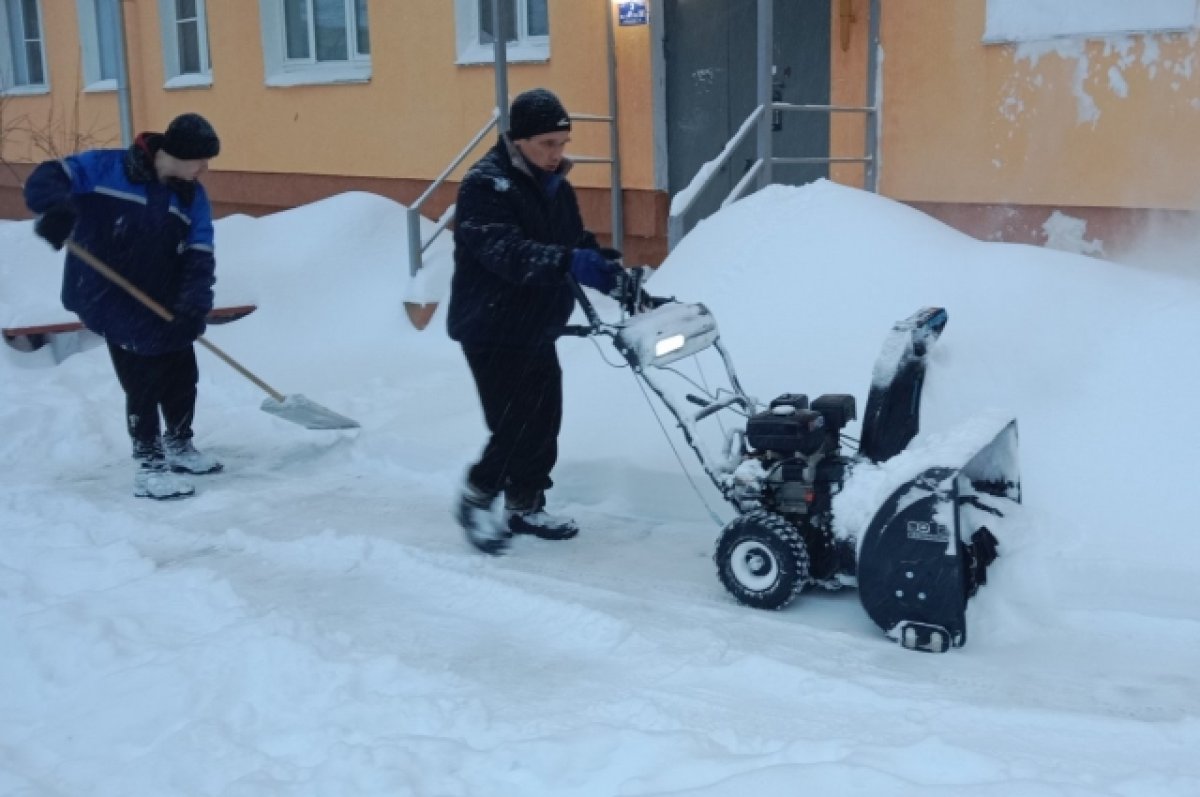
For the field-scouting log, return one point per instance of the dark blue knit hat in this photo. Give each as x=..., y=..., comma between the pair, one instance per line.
x=535, y=112
x=190, y=137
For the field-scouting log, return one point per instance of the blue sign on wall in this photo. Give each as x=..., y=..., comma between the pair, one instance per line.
x=633, y=13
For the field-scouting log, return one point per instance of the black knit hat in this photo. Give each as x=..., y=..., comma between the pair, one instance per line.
x=535, y=112
x=190, y=137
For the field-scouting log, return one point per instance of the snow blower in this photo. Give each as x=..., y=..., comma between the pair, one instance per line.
x=926, y=548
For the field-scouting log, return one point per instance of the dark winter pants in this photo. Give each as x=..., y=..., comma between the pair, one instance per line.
x=521, y=393
x=165, y=382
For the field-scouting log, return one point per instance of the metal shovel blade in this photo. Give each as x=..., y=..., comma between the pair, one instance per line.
x=307, y=413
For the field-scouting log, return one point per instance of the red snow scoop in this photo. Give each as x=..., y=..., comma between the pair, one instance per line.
x=294, y=408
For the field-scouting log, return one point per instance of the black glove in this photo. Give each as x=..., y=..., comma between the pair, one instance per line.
x=55, y=225
x=614, y=255
x=189, y=323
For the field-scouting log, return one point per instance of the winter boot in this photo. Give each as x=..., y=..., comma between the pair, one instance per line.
x=482, y=527
x=183, y=457
x=153, y=479
x=524, y=517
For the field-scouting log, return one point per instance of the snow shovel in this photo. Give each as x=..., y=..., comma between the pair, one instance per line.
x=295, y=408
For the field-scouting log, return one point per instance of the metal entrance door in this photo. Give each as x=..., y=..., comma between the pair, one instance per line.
x=711, y=88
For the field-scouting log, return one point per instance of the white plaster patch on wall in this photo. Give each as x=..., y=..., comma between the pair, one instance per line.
x=1063, y=48
x=1085, y=104
x=1150, y=54
x=1123, y=47
x=1116, y=82
x=1187, y=66
x=1011, y=108
x=1128, y=56
x=1069, y=234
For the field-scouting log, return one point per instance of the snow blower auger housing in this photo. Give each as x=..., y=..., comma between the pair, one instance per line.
x=925, y=550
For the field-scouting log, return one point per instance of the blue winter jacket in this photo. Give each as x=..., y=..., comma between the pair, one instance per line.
x=514, y=231
x=158, y=236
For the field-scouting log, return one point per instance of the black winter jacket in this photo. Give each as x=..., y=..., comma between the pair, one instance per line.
x=512, y=248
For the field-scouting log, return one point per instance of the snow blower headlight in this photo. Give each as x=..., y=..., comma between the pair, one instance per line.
x=668, y=345
x=668, y=333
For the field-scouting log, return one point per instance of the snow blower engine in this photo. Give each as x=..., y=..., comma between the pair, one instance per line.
x=907, y=525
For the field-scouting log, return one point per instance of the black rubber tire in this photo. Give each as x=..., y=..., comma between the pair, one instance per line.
x=762, y=561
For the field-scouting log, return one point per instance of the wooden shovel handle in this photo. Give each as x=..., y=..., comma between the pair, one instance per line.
x=113, y=276
x=241, y=369
x=165, y=314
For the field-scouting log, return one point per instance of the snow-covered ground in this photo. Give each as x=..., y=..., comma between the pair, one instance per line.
x=313, y=623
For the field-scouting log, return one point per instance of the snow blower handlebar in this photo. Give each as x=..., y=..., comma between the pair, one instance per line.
x=709, y=407
x=656, y=333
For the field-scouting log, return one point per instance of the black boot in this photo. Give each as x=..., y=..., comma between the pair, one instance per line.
x=183, y=457
x=483, y=529
x=527, y=516
x=153, y=479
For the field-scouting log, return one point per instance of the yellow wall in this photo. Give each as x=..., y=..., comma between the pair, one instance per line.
x=848, y=87
x=961, y=121
x=409, y=121
x=965, y=122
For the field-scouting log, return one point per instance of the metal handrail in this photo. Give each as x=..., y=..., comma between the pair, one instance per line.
x=677, y=221
x=440, y=227
x=739, y=190
x=416, y=246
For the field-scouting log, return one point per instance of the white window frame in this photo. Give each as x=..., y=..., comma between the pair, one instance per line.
x=168, y=15
x=8, y=86
x=92, y=48
x=1012, y=21
x=284, y=71
x=470, y=50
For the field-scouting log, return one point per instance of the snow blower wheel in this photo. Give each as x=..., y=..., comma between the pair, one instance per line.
x=761, y=560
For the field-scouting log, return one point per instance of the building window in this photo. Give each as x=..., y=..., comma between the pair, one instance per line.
x=98, y=41
x=316, y=41
x=22, y=50
x=526, y=30
x=185, y=42
x=1038, y=20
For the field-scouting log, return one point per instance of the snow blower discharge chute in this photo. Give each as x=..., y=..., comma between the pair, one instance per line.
x=925, y=550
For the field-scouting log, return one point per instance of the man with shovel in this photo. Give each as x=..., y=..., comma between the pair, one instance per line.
x=142, y=211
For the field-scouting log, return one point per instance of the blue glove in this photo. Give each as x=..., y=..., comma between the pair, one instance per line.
x=590, y=268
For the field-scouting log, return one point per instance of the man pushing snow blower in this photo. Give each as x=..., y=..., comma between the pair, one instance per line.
x=519, y=242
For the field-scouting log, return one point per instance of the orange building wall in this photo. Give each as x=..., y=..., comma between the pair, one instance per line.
x=967, y=123
x=848, y=87
x=416, y=113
